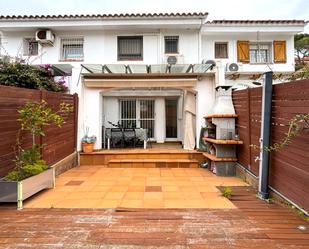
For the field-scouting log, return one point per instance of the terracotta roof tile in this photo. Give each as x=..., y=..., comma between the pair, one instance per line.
x=106, y=16
x=257, y=22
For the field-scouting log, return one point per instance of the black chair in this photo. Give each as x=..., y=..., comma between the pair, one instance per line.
x=129, y=136
x=117, y=138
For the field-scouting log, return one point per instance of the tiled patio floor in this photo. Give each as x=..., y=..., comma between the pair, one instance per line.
x=100, y=187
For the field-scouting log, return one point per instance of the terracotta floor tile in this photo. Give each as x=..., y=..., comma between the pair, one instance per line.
x=136, y=188
x=153, y=189
x=153, y=195
x=220, y=202
x=131, y=203
x=119, y=188
x=108, y=203
x=114, y=195
x=193, y=196
x=101, y=188
x=134, y=196
x=153, y=204
x=173, y=196
x=187, y=188
x=175, y=204
x=197, y=204
x=170, y=188
x=210, y=195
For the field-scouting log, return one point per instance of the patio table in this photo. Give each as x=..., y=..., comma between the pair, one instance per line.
x=140, y=134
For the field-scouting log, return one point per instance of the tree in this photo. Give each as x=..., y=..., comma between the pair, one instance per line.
x=301, y=45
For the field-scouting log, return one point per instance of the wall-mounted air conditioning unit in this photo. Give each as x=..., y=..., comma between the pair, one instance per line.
x=173, y=59
x=233, y=67
x=45, y=37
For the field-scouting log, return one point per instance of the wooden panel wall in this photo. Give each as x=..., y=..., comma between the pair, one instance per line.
x=59, y=142
x=289, y=167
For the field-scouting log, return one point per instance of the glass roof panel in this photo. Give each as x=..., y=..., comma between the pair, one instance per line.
x=159, y=68
x=201, y=68
x=179, y=68
x=92, y=68
x=134, y=68
x=115, y=68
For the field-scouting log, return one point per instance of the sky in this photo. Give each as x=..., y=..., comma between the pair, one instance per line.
x=217, y=9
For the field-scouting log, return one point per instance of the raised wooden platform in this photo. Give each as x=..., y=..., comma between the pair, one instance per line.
x=140, y=158
x=254, y=224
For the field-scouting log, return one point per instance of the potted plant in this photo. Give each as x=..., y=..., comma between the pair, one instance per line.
x=88, y=142
x=31, y=173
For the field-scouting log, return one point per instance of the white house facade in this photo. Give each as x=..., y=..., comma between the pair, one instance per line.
x=152, y=71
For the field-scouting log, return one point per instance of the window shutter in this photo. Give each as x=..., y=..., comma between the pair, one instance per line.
x=243, y=51
x=280, y=51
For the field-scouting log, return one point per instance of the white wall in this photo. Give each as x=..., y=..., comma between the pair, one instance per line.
x=208, y=53
x=204, y=102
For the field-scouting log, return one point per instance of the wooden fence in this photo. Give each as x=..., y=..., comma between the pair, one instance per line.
x=289, y=167
x=59, y=142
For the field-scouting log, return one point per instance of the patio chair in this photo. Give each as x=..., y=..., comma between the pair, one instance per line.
x=117, y=138
x=129, y=137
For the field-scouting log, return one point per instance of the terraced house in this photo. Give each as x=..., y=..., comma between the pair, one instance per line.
x=154, y=73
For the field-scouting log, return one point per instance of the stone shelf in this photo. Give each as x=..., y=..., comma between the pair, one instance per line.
x=218, y=141
x=219, y=159
x=222, y=116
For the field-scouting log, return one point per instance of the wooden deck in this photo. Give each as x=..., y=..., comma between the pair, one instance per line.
x=254, y=224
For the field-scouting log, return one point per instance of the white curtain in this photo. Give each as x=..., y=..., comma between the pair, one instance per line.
x=190, y=123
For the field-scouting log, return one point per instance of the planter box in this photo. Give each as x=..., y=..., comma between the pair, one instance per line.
x=20, y=191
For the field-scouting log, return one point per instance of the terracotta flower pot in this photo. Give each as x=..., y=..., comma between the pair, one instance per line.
x=87, y=147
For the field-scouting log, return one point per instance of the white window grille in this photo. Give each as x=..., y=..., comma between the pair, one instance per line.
x=72, y=49
x=260, y=53
x=171, y=44
x=138, y=113
x=30, y=47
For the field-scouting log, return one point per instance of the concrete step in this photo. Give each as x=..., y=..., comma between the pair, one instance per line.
x=153, y=163
x=105, y=156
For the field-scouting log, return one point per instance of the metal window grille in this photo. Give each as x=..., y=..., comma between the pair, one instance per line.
x=171, y=44
x=30, y=47
x=72, y=49
x=260, y=53
x=130, y=48
x=138, y=113
x=221, y=50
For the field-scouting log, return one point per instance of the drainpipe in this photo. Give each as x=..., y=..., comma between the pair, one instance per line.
x=265, y=135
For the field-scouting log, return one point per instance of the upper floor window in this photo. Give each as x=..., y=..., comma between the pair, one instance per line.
x=221, y=50
x=30, y=47
x=72, y=49
x=171, y=44
x=260, y=52
x=130, y=47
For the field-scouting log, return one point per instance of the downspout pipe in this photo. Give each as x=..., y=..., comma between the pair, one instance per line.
x=263, y=192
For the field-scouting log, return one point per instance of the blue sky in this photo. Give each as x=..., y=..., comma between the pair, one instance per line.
x=217, y=9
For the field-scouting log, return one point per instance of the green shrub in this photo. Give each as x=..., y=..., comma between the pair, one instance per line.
x=27, y=171
x=28, y=76
x=227, y=192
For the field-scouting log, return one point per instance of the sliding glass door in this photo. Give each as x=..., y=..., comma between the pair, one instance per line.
x=138, y=113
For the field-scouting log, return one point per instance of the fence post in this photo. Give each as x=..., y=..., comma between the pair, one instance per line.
x=249, y=124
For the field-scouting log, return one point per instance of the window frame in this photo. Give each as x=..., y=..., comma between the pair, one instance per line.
x=270, y=53
x=166, y=36
x=127, y=58
x=227, y=49
x=27, y=40
x=62, y=57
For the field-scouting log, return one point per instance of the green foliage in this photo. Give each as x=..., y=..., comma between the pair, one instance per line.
x=296, y=125
x=34, y=116
x=28, y=76
x=27, y=171
x=227, y=192
x=301, y=45
x=300, y=74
